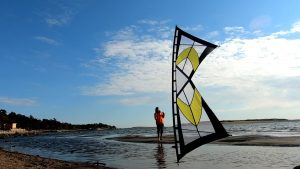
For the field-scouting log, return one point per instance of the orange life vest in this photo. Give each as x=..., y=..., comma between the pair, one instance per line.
x=160, y=117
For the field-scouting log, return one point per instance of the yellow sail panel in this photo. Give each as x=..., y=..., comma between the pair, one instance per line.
x=194, y=59
x=196, y=106
x=186, y=111
x=191, y=54
x=183, y=55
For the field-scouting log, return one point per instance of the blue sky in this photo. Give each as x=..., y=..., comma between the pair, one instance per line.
x=110, y=61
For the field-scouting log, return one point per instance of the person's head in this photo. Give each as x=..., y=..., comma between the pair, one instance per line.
x=156, y=109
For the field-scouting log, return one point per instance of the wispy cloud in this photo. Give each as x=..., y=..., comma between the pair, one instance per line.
x=159, y=28
x=235, y=30
x=129, y=32
x=139, y=61
x=60, y=15
x=59, y=20
x=47, y=40
x=153, y=22
x=194, y=28
x=294, y=29
x=18, y=101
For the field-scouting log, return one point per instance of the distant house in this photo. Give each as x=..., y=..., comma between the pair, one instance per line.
x=13, y=125
x=10, y=126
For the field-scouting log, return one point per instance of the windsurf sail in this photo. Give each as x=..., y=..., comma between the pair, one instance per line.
x=188, y=105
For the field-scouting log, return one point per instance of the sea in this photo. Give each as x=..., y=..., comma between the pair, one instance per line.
x=94, y=146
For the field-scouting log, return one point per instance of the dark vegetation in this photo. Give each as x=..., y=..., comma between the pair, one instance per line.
x=31, y=123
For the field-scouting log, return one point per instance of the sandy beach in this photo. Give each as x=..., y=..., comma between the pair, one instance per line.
x=13, y=160
x=247, y=140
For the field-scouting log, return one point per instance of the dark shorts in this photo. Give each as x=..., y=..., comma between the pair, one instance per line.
x=160, y=128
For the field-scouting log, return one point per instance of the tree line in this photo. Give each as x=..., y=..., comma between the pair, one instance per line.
x=31, y=123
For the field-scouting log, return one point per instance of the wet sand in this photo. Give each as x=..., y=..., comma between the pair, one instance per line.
x=13, y=160
x=260, y=140
x=247, y=140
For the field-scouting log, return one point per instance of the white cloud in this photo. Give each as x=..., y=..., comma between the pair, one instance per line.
x=234, y=30
x=47, y=40
x=244, y=68
x=18, y=101
x=239, y=75
x=143, y=67
x=264, y=56
x=138, y=60
x=296, y=27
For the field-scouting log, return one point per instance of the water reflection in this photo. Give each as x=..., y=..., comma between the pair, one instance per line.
x=160, y=156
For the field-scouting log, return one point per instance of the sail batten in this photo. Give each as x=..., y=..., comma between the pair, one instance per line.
x=188, y=105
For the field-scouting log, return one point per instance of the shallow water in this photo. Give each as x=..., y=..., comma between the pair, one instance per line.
x=92, y=146
x=280, y=128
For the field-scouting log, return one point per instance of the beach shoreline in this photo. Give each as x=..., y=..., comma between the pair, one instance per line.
x=12, y=160
x=23, y=132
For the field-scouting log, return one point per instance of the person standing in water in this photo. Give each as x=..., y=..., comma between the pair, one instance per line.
x=159, y=118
